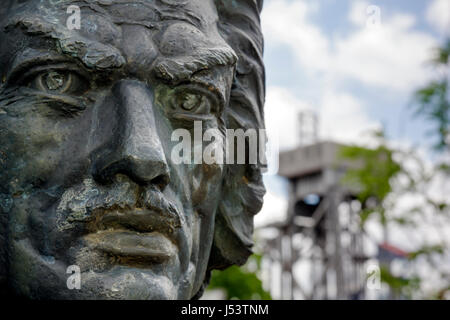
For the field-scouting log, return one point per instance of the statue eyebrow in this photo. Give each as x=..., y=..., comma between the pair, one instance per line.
x=178, y=70
x=93, y=54
x=181, y=68
x=30, y=58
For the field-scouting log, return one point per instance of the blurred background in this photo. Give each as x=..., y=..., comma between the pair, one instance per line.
x=358, y=118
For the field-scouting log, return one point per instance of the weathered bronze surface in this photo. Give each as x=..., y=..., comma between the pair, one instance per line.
x=86, y=118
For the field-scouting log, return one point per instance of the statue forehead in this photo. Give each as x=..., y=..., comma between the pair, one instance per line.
x=183, y=29
x=198, y=11
x=103, y=17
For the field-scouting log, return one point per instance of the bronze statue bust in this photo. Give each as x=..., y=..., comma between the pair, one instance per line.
x=86, y=117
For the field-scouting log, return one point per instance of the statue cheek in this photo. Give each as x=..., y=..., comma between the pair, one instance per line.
x=33, y=151
x=19, y=155
x=206, y=186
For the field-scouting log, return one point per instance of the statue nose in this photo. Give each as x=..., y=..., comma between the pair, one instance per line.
x=135, y=148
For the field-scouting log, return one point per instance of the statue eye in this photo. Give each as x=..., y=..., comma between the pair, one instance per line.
x=57, y=82
x=192, y=102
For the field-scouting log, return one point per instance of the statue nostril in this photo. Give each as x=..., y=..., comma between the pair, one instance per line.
x=161, y=181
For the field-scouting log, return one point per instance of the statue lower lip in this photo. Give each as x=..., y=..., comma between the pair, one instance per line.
x=131, y=247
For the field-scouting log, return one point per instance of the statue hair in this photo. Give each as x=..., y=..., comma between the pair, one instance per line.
x=243, y=189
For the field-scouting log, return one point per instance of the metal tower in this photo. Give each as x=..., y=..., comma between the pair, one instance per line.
x=321, y=230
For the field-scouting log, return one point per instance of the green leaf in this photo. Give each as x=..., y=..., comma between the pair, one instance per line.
x=239, y=283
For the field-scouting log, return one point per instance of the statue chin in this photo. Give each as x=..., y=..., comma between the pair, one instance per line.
x=129, y=284
x=52, y=279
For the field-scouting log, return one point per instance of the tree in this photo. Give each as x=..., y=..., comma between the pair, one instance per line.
x=432, y=100
x=241, y=283
x=389, y=175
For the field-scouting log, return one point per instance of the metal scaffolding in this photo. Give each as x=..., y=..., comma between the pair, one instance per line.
x=321, y=229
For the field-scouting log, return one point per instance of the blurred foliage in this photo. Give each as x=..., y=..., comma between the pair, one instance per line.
x=400, y=286
x=241, y=283
x=373, y=178
x=426, y=250
x=432, y=100
x=383, y=177
x=377, y=178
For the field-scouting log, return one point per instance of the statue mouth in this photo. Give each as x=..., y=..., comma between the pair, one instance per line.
x=133, y=248
x=135, y=237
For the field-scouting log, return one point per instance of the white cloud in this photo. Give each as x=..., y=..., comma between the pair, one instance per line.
x=344, y=119
x=281, y=115
x=287, y=23
x=390, y=55
x=357, y=14
x=438, y=15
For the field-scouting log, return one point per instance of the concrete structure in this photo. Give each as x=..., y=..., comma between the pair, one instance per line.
x=321, y=228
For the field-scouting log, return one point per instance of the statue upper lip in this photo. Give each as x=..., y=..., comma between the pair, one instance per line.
x=138, y=234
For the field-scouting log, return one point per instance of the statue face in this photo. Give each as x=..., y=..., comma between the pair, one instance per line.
x=86, y=118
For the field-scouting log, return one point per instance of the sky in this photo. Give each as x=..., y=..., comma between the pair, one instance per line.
x=354, y=63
